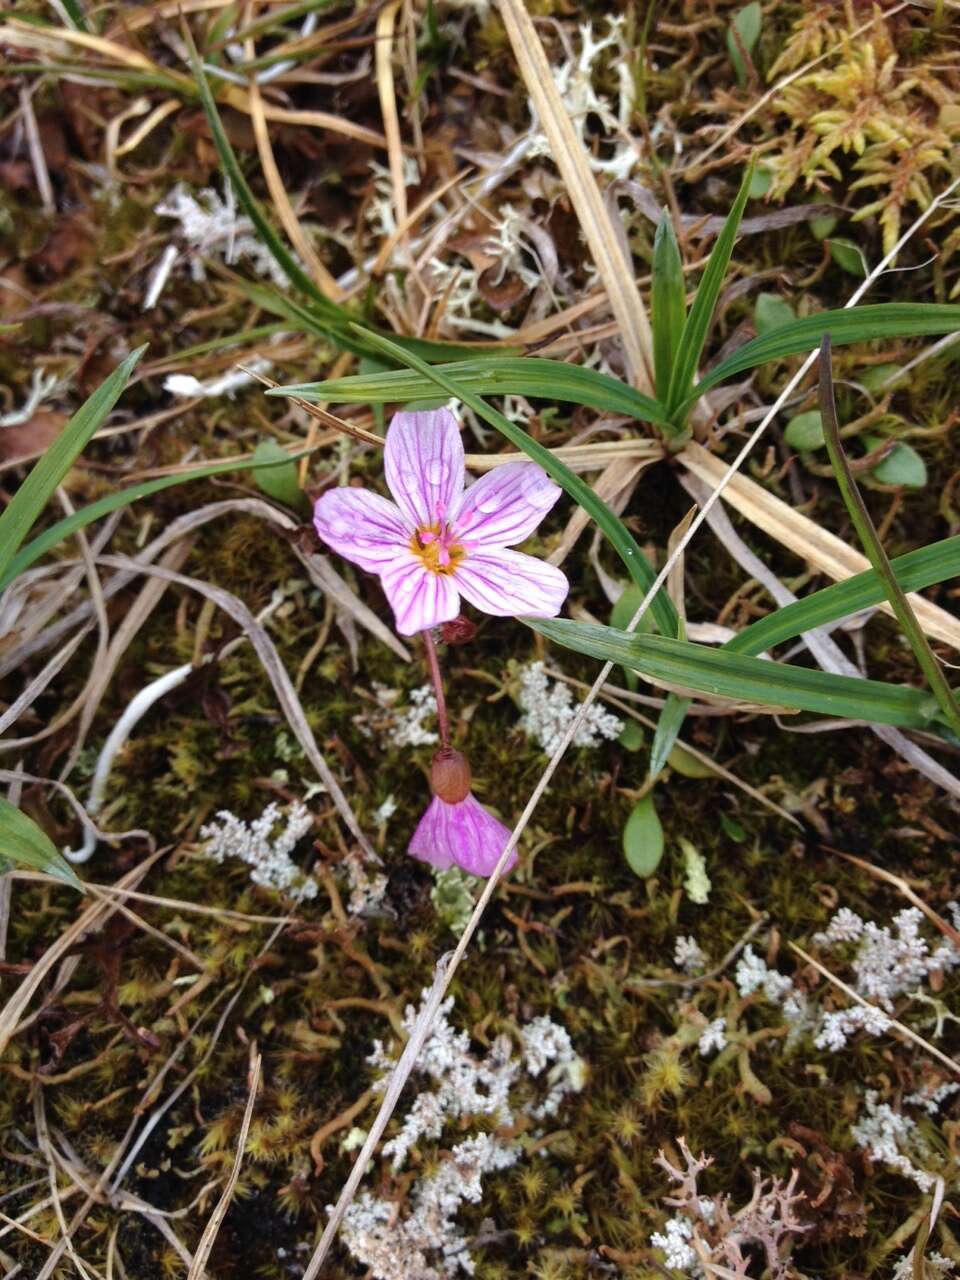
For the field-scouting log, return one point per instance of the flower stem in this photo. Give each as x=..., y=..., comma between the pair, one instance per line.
x=433, y=665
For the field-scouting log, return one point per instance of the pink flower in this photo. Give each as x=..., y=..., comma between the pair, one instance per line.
x=437, y=540
x=457, y=829
x=464, y=834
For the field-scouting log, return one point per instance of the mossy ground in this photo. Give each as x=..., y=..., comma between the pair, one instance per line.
x=573, y=933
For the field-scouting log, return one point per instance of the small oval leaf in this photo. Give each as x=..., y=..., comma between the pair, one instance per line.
x=278, y=481
x=805, y=431
x=643, y=838
x=771, y=312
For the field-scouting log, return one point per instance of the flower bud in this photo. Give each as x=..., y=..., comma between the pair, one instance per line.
x=450, y=776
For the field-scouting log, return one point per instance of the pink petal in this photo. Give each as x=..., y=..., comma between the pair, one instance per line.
x=511, y=584
x=505, y=505
x=419, y=598
x=465, y=834
x=423, y=459
x=361, y=526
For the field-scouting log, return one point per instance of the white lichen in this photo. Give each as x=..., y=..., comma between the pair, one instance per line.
x=265, y=846
x=210, y=226
x=892, y=1139
x=688, y=955
x=714, y=1037
x=416, y=1237
x=549, y=708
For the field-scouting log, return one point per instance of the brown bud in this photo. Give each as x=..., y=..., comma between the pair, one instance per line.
x=450, y=776
x=459, y=631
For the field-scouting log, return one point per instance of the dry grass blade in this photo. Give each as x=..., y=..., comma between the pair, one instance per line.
x=46, y=1146
x=815, y=544
x=568, y=153
x=92, y=917
x=386, y=21
x=283, y=686
x=615, y=485
x=899, y=1027
x=133, y=619
x=278, y=193
x=42, y=679
x=198, y=1268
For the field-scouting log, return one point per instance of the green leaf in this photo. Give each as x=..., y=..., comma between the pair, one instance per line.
x=902, y=465
x=822, y=226
x=668, y=303
x=770, y=312
x=733, y=828
x=688, y=765
x=852, y=324
x=746, y=23
x=643, y=838
x=617, y=533
x=489, y=375
x=34, y=494
x=880, y=378
x=917, y=569
x=22, y=841
x=805, y=431
x=276, y=474
x=51, y=537
x=761, y=183
x=847, y=255
x=690, y=347
x=669, y=724
x=632, y=736
x=726, y=674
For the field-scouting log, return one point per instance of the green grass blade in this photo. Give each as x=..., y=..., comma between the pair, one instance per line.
x=915, y=570
x=335, y=324
x=619, y=536
x=51, y=537
x=690, y=347
x=669, y=724
x=852, y=324
x=21, y=840
x=668, y=303
x=728, y=675
x=490, y=375
x=34, y=494
x=870, y=540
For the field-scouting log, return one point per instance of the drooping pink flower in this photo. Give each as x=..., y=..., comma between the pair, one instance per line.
x=439, y=541
x=456, y=829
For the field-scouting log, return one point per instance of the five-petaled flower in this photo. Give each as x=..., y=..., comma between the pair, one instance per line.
x=439, y=541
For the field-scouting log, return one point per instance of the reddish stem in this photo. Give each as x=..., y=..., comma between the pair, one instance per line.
x=433, y=665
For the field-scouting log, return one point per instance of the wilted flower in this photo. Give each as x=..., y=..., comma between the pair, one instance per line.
x=456, y=829
x=438, y=541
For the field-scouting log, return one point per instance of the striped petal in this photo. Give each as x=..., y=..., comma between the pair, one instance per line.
x=464, y=833
x=423, y=460
x=509, y=584
x=362, y=527
x=505, y=506
x=419, y=598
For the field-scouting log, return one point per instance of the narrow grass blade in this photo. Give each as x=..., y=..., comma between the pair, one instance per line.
x=668, y=304
x=690, y=347
x=51, y=537
x=335, y=324
x=669, y=724
x=619, y=536
x=34, y=494
x=21, y=840
x=873, y=547
x=852, y=324
x=754, y=680
x=915, y=570
x=490, y=375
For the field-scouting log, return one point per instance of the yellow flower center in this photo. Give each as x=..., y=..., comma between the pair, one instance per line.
x=435, y=548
